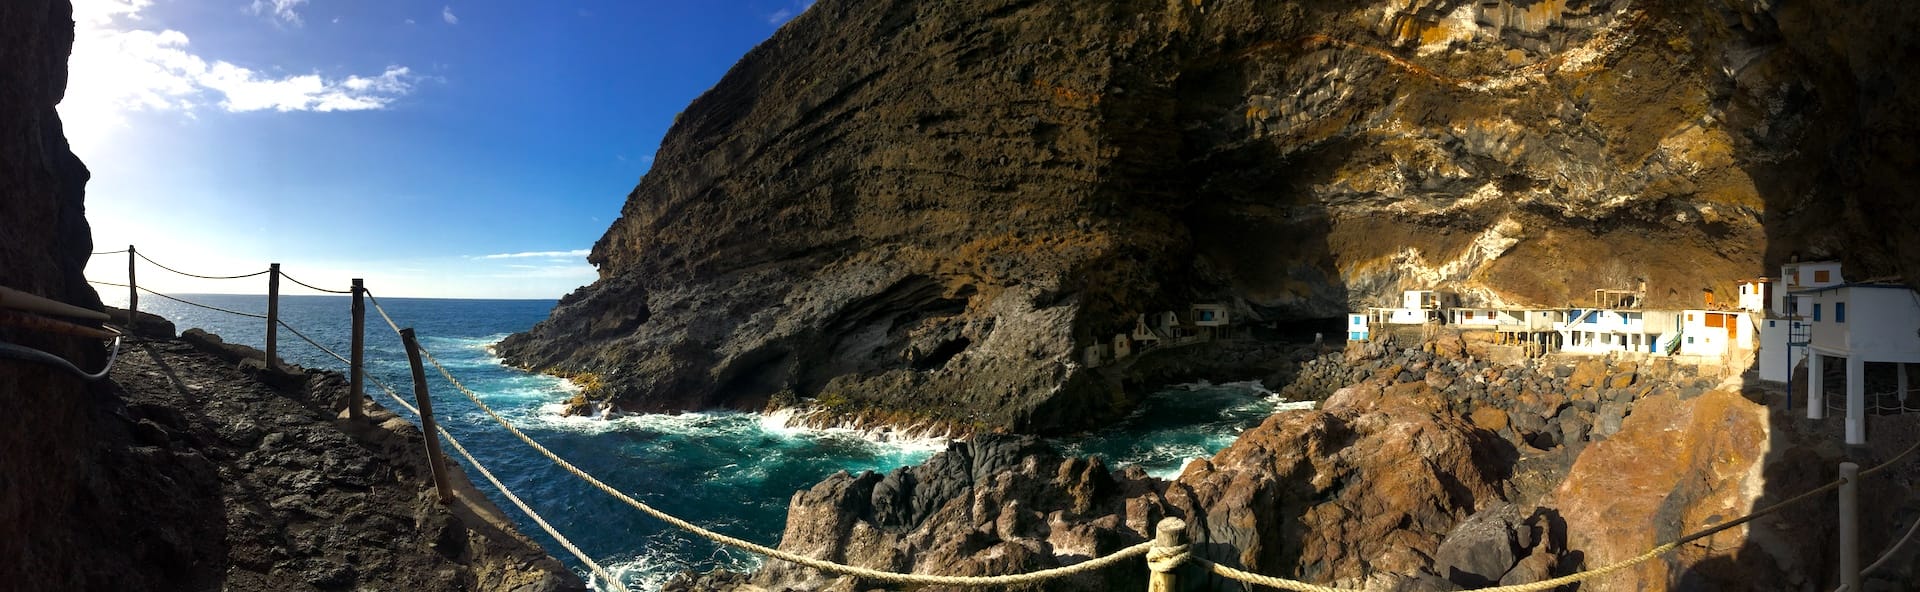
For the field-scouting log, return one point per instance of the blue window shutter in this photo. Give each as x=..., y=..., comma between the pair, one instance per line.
x=1816, y=311
x=1839, y=312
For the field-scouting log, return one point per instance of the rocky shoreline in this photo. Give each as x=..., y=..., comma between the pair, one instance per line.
x=1428, y=469
x=279, y=491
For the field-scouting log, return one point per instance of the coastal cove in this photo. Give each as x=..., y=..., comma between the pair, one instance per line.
x=732, y=471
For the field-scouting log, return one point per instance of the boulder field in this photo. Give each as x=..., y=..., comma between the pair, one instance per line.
x=1431, y=470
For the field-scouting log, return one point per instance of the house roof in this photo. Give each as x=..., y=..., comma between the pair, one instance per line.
x=1891, y=283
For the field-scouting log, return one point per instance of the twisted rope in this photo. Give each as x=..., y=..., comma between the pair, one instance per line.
x=802, y=560
x=110, y=252
x=571, y=548
x=1297, y=586
x=183, y=301
x=143, y=256
x=1167, y=559
x=284, y=276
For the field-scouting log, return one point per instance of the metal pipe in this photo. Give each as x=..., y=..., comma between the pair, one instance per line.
x=40, y=323
x=18, y=300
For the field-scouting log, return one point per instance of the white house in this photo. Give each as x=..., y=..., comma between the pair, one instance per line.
x=1874, y=322
x=1785, y=332
x=1602, y=330
x=1416, y=307
x=1756, y=294
x=1485, y=317
x=1209, y=315
x=1713, y=332
x=1357, y=329
x=1795, y=277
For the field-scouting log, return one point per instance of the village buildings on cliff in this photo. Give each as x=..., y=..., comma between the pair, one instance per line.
x=1806, y=323
x=1809, y=327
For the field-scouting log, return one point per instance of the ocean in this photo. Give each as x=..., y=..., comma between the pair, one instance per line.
x=732, y=472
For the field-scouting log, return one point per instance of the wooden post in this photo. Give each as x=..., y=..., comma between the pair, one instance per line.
x=1168, y=534
x=358, y=372
x=273, y=315
x=1850, y=527
x=429, y=430
x=133, y=291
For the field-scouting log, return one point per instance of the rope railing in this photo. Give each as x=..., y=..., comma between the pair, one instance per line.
x=283, y=275
x=1162, y=557
x=143, y=257
x=183, y=300
x=393, y=395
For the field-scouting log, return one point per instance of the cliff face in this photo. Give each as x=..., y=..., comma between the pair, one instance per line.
x=49, y=470
x=945, y=200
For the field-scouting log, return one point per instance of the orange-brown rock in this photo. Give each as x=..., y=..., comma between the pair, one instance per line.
x=1491, y=419
x=1588, y=373
x=1618, y=503
x=1359, y=493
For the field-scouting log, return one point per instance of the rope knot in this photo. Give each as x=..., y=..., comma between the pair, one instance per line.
x=1166, y=559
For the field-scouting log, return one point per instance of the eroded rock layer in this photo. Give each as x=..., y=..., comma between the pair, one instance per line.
x=929, y=207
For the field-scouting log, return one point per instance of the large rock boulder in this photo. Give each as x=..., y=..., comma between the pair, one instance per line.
x=1711, y=451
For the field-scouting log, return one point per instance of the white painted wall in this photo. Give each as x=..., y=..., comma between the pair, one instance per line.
x=1776, y=361
x=1883, y=324
x=1753, y=295
x=1699, y=339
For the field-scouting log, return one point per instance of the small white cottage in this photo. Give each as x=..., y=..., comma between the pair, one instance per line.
x=1873, y=322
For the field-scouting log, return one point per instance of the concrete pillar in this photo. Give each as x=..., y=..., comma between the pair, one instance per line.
x=1816, y=395
x=1902, y=373
x=1856, y=400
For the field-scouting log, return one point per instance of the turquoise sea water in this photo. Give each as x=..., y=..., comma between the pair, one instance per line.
x=732, y=472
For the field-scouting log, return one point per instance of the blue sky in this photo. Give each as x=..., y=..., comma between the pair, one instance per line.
x=444, y=149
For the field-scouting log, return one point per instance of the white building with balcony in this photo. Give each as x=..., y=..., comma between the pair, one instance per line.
x=1417, y=307
x=1875, y=322
x=1784, y=333
x=1606, y=330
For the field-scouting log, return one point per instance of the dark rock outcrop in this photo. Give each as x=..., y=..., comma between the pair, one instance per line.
x=929, y=208
x=1363, y=492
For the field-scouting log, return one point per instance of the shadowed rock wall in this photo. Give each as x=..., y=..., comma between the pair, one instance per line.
x=928, y=208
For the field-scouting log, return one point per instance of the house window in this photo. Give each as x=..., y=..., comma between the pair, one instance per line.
x=1206, y=315
x=1689, y=317
x=1689, y=340
x=1820, y=276
x=1769, y=324
x=1816, y=311
x=1839, y=312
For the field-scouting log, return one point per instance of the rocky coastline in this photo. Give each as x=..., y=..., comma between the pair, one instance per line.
x=271, y=487
x=1429, y=469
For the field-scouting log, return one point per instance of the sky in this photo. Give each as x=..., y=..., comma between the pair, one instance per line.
x=462, y=150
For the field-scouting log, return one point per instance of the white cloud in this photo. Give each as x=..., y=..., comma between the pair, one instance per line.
x=782, y=15
x=118, y=69
x=409, y=21
x=278, y=10
x=446, y=14
x=547, y=254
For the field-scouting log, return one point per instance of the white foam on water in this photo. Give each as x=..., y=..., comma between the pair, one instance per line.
x=652, y=569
